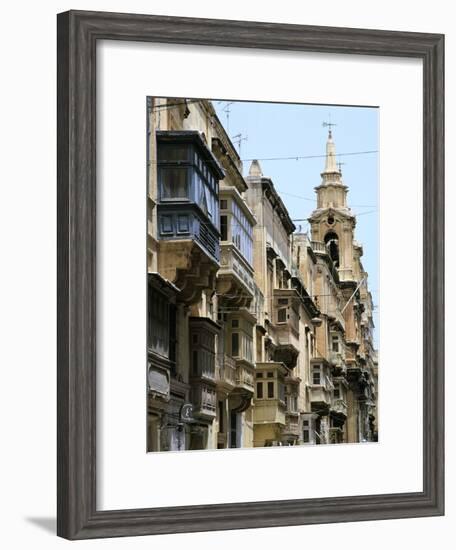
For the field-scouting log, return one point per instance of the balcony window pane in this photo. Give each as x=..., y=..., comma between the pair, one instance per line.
x=241, y=230
x=224, y=228
x=182, y=223
x=158, y=323
x=173, y=153
x=235, y=344
x=195, y=363
x=173, y=183
x=260, y=390
x=221, y=416
x=270, y=390
x=281, y=388
x=282, y=315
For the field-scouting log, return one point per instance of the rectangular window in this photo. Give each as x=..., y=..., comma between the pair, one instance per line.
x=316, y=376
x=221, y=411
x=173, y=183
x=336, y=392
x=241, y=232
x=173, y=153
x=270, y=390
x=305, y=436
x=282, y=315
x=223, y=205
x=259, y=390
x=195, y=363
x=335, y=344
x=182, y=223
x=224, y=227
x=233, y=430
x=235, y=323
x=166, y=223
x=235, y=344
x=158, y=323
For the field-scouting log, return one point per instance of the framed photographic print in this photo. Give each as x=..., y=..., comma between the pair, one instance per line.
x=250, y=274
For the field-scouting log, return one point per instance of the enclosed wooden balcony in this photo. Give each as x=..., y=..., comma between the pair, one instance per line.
x=339, y=408
x=320, y=398
x=320, y=387
x=202, y=348
x=269, y=412
x=242, y=394
x=204, y=400
x=225, y=373
x=202, y=333
x=286, y=326
x=291, y=428
x=270, y=405
x=337, y=360
x=245, y=373
x=235, y=281
x=287, y=345
x=188, y=177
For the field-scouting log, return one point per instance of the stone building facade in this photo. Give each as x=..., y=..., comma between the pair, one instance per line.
x=257, y=335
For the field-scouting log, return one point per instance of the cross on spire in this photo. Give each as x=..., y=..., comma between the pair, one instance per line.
x=329, y=125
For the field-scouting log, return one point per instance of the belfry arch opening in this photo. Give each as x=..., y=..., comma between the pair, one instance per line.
x=332, y=243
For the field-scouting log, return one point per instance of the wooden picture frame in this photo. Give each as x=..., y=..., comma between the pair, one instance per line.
x=78, y=32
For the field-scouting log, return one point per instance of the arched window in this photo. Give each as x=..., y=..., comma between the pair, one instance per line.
x=332, y=243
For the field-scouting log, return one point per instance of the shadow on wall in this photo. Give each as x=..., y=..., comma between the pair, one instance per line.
x=47, y=524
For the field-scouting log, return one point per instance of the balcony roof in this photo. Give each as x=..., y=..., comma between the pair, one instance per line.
x=225, y=190
x=162, y=284
x=206, y=323
x=194, y=137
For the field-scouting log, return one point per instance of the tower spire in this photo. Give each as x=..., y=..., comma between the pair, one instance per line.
x=330, y=162
x=331, y=193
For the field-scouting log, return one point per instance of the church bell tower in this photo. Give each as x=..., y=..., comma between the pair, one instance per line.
x=332, y=222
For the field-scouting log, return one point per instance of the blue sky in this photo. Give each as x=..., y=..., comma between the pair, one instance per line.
x=290, y=130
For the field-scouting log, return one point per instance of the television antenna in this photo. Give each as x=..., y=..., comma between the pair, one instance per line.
x=238, y=139
x=227, y=111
